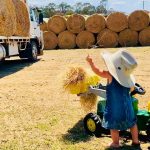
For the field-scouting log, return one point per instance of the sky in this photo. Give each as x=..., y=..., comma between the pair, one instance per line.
x=119, y=5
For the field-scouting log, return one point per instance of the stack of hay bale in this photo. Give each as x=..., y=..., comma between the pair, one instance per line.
x=117, y=29
x=14, y=18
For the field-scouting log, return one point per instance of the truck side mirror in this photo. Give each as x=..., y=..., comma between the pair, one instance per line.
x=41, y=18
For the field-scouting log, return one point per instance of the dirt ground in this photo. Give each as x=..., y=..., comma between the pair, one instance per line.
x=35, y=112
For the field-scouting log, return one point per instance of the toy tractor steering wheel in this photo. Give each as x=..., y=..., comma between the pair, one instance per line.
x=138, y=90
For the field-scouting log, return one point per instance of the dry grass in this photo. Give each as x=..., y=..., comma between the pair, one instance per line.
x=88, y=102
x=36, y=114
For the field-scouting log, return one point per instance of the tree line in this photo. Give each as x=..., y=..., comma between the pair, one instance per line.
x=79, y=7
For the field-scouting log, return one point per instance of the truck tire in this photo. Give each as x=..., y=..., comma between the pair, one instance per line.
x=92, y=124
x=32, y=51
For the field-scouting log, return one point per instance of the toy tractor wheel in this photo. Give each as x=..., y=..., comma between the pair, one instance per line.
x=92, y=124
x=148, y=128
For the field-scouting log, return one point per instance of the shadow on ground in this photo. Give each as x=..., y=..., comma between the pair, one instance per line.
x=126, y=137
x=77, y=133
x=124, y=147
x=9, y=67
x=142, y=137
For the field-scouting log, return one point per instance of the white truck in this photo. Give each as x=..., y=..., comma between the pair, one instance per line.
x=24, y=47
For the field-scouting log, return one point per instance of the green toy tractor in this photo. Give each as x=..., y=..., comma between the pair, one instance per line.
x=93, y=121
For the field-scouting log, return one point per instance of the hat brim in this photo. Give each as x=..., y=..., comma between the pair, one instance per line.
x=124, y=80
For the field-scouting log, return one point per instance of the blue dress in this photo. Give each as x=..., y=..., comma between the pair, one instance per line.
x=119, y=113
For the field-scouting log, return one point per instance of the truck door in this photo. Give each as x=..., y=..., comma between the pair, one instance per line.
x=34, y=29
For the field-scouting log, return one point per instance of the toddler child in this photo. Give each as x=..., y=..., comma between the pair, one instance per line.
x=119, y=113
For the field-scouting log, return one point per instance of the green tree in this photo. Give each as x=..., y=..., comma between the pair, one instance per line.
x=64, y=7
x=88, y=9
x=78, y=7
x=49, y=10
x=104, y=3
x=102, y=7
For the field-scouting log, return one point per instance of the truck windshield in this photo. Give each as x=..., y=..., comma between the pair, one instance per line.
x=31, y=15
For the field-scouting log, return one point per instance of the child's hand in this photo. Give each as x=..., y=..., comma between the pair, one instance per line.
x=89, y=59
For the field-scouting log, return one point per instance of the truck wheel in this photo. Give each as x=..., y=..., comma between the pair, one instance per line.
x=92, y=124
x=148, y=128
x=32, y=51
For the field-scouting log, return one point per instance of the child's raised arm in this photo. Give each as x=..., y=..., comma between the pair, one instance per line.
x=104, y=74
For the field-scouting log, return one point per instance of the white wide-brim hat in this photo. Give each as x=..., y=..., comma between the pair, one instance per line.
x=121, y=64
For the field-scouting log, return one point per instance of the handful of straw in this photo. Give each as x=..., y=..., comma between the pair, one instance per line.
x=77, y=81
x=88, y=101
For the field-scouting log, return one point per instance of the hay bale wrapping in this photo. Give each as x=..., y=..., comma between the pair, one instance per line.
x=22, y=18
x=95, y=23
x=76, y=23
x=107, y=38
x=144, y=37
x=128, y=37
x=138, y=20
x=85, y=39
x=7, y=18
x=66, y=40
x=50, y=40
x=57, y=24
x=117, y=21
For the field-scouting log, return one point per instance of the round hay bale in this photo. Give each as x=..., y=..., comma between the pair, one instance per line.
x=128, y=37
x=66, y=40
x=22, y=18
x=138, y=20
x=76, y=23
x=57, y=24
x=7, y=18
x=144, y=37
x=50, y=40
x=107, y=38
x=95, y=23
x=117, y=21
x=85, y=39
x=43, y=26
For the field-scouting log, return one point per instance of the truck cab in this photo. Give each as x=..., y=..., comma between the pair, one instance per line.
x=35, y=31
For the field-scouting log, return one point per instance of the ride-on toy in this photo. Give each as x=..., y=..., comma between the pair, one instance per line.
x=92, y=121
